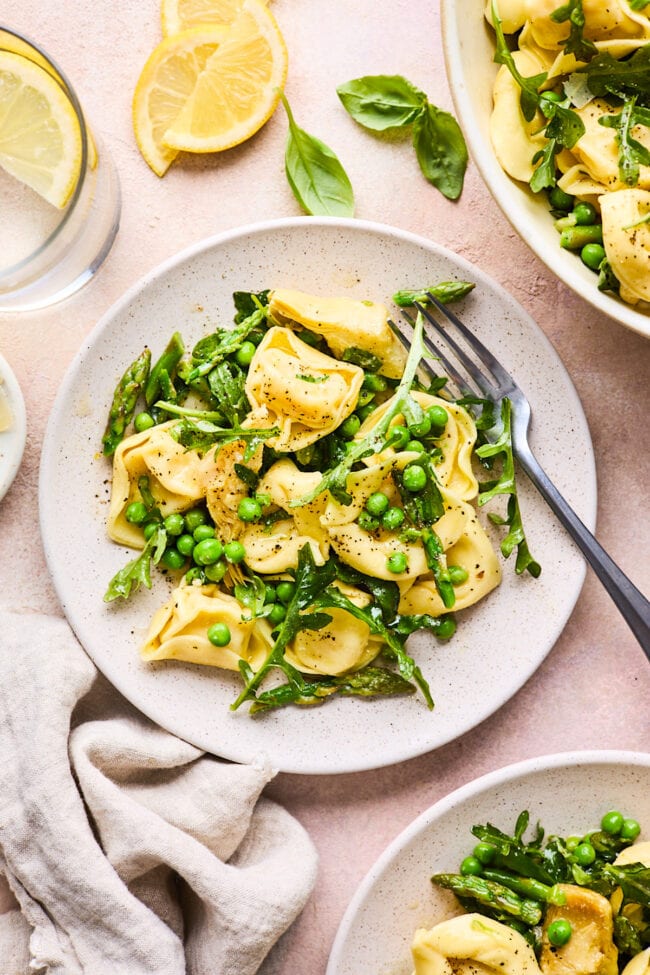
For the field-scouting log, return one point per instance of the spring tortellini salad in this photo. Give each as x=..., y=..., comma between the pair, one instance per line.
x=571, y=117
x=576, y=905
x=312, y=492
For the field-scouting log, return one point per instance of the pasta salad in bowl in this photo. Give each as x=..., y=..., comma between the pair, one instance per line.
x=555, y=103
x=337, y=520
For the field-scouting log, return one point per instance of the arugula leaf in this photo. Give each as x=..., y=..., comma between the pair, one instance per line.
x=564, y=128
x=544, y=176
x=318, y=180
x=529, y=98
x=137, y=572
x=227, y=382
x=445, y=291
x=441, y=150
x=505, y=484
x=214, y=348
x=608, y=76
x=424, y=507
x=631, y=153
x=197, y=431
x=638, y=4
x=576, y=43
x=382, y=102
x=248, y=302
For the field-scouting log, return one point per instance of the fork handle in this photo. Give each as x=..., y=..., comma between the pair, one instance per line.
x=633, y=605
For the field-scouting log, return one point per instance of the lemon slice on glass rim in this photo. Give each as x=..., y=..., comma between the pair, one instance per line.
x=40, y=136
x=178, y=15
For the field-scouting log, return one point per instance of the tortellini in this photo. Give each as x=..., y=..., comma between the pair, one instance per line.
x=306, y=393
x=177, y=478
x=344, y=323
x=639, y=965
x=472, y=943
x=626, y=236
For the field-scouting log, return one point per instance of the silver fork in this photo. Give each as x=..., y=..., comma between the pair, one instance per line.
x=495, y=384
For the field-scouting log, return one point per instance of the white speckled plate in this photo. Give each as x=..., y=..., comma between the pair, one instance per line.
x=568, y=794
x=12, y=440
x=498, y=645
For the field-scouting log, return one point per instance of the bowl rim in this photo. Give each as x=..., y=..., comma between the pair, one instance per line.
x=499, y=184
x=475, y=787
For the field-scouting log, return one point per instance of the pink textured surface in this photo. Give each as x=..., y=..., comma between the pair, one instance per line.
x=593, y=689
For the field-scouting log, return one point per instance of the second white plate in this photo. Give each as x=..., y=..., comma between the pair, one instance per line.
x=499, y=643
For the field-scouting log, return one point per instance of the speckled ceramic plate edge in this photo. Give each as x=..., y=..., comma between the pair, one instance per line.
x=384, y=900
x=292, y=740
x=12, y=441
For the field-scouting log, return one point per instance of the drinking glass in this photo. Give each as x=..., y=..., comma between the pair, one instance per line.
x=47, y=253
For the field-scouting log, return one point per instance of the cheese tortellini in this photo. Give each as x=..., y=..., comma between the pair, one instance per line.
x=592, y=170
x=472, y=943
x=246, y=509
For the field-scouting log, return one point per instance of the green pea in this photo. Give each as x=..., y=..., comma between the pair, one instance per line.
x=244, y=354
x=585, y=214
x=560, y=200
x=216, y=571
x=484, y=853
x=446, y=627
x=414, y=478
x=552, y=96
x=350, y=426
x=277, y=614
x=397, y=563
x=207, y=551
x=270, y=595
x=201, y=532
x=194, y=518
x=630, y=829
x=421, y=429
x=572, y=842
x=143, y=421
x=373, y=382
x=559, y=932
x=194, y=573
x=612, y=822
x=457, y=574
x=366, y=411
x=368, y=522
x=392, y=519
x=174, y=524
x=249, y=510
x=185, y=544
x=592, y=255
x=136, y=513
x=584, y=854
x=438, y=416
x=399, y=436
x=219, y=635
x=234, y=551
x=377, y=503
x=366, y=396
x=471, y=867
x=416, y=446
x=172, y=559
x=149, y=529
x=285, y=591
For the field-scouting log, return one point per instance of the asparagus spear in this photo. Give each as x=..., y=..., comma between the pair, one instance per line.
x=490, y=894
x=125, y=398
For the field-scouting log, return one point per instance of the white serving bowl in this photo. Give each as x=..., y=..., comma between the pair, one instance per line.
x=468, y=43
x=567, y=793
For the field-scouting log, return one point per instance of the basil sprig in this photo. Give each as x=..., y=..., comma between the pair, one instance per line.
x=316, y=177
x=380, y=102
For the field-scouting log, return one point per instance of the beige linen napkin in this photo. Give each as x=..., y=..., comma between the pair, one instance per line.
x=129, y=851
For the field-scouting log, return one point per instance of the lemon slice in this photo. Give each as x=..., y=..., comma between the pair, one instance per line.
x=178, y=15
x=166, y=83
x=239, y=87
x=40, y=138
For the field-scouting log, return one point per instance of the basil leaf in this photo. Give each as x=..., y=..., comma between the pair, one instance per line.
x=382, y=101
x=316, y=177
x=441, y=150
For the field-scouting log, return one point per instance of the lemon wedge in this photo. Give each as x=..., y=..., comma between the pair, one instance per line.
x=40, y=137
x=238, y=89
x=167, y=81
x=178, y=15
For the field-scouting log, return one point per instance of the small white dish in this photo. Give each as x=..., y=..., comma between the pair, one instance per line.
x=499, y=643
x=567, y=793
x=12, y=440
x=468, y=45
